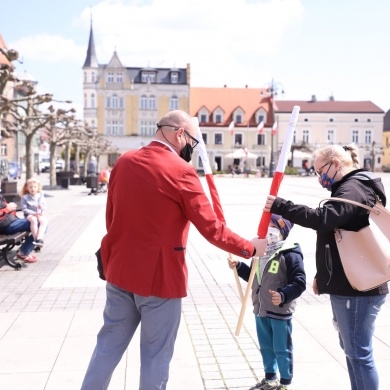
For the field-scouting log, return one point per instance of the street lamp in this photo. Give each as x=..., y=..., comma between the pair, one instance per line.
x=272, y=90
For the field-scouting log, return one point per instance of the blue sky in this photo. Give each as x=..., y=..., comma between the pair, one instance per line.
x=311, y=47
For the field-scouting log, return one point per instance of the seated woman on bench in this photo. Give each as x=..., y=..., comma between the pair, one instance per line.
x=10, y=224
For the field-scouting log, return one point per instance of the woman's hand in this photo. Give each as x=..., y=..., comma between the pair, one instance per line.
x=315, y=287
x=269, y=203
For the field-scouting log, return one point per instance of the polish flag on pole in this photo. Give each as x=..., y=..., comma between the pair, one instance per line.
x=213, y=190
x=260, y=127
x=274, y=128
x=231, y=128
x=266, y=216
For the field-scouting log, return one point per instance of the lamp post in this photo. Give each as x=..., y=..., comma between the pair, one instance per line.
x=272, y=90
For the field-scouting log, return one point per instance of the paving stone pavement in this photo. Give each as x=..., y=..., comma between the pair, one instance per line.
x=50, y=311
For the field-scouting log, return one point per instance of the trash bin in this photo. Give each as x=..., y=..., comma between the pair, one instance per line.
x=65, y=182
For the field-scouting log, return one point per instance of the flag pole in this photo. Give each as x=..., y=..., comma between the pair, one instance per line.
x=213, y=192
x=266, y=216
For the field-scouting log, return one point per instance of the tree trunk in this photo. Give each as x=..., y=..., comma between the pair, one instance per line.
x=30, y=157
x=53, y=179
x=77, y=158
x=67, y=157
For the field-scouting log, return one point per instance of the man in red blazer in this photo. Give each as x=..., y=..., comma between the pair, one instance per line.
x=154, y=194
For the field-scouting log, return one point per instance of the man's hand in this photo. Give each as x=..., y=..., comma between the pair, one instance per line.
x=315, y=287
x=260, y=244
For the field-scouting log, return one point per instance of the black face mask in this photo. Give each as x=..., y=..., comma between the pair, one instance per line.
x=186, y=152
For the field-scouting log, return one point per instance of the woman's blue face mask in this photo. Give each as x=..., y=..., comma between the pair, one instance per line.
x=324, y=179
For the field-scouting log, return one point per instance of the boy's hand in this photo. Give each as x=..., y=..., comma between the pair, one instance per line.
x=232, y=263
x=276, y=297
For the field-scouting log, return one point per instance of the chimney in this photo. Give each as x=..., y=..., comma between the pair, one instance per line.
x=225, y=86
x=313, y=98
x=331, y=98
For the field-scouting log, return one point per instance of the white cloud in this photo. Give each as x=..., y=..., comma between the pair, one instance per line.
x=48, y=48
x=210, y=35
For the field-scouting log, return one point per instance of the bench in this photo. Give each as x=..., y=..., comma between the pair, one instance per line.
x=7, y=243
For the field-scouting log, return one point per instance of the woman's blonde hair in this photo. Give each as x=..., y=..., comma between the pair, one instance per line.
x=348, y=155
x=32, y=180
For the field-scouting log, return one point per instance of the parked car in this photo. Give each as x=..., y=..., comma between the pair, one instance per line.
x=14, y=170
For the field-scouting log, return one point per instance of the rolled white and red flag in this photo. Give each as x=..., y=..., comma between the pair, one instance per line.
x=260, y=127
x=266, y=216
x=231, y=127
x=212, y=188
x=274, y=128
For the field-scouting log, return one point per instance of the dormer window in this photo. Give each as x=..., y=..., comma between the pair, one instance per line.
x=238, y=119
x=152, y=77
x=144, y=77
x=174, y=77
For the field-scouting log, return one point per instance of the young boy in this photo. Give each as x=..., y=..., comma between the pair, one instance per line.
x=280, y=279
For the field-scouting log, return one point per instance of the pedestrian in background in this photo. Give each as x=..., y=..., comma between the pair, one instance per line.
x=33, y=207
x=354, y=312
x=154, y=195
x=10, y=224
x=280, y=279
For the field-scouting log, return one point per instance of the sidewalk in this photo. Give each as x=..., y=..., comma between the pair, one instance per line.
x=51, y=311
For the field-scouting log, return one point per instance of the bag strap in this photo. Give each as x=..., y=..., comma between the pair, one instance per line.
x=372, y=209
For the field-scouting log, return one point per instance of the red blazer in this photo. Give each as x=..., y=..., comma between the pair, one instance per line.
x=153, y=197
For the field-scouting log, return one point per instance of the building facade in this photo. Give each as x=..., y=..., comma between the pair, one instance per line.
x=320, y=123
x=125, y=103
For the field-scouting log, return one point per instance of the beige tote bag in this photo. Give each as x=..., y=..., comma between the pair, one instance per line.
x=365, y=254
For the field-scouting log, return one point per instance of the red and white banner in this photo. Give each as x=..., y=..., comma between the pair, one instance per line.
x=231, y=128
x=260, y=127
x=274, y=128
x=266, y=216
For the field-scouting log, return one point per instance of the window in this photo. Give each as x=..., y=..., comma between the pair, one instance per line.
x=152, y=77
x=108, y=102
x=174, y=78
x=144, y=77
x=368, y=137
x=148, y=128
x=203, y=118
x=238, y=119
x=144, y=102
x=260, y=139
x=93, y=100
x=306, y=120
x=152, y=102
x=174, y=104
x=218, y=138
x=331, y=136
x=85, y=77
x=218, y=118
x=3, y=149
x=93, y=77
x=85, y=100
x=260, y=118
x=356, y=120
x=237, y=139
x=331, y=119
x=368, y=119
x=204, y=136
x=119, y=78
x=110, y=77
x=305, y=136
x=114, y=127
x=355, y=136
x=115, y=101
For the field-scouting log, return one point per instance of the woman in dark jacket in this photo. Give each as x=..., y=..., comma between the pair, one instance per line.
x=354, y=312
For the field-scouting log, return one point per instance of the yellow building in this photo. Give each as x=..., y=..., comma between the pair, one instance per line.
x=125, y=103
